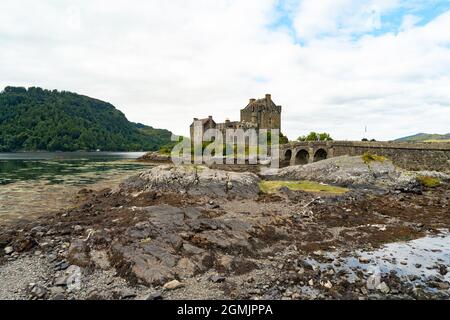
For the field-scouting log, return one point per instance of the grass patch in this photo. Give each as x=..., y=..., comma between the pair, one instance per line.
x=429, y=182
x=433, y=140
x=308, y=186
x=368, y=158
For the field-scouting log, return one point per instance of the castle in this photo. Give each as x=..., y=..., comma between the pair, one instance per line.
x=258, y=114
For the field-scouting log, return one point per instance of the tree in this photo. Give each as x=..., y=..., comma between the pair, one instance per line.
x=39, y=119
x=314, y=136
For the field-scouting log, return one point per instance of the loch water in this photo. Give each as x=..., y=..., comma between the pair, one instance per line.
x=35, y=183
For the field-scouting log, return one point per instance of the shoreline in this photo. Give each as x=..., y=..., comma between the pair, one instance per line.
x=131, y=241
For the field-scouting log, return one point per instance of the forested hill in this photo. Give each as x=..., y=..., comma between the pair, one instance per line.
x=426, y=137
x=37, y=119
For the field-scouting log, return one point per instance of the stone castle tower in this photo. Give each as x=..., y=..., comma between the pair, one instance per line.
x=264, y=113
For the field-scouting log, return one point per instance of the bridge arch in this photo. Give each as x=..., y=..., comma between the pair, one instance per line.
x=320, y=154
x=302, y=157
x=288, y=156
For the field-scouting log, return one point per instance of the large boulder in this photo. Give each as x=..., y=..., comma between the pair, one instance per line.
x=195, y=180
x=354, y=171
x=342, y=171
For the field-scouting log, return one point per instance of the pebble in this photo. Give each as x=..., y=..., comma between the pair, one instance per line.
x=172, y=285
x=443, y=270
x=296, y=296
x=61, y=281
x=383, y=287
x=38, y=291
x=373, y=282
x=9, y=250
x=364, y=260
x=444, y=285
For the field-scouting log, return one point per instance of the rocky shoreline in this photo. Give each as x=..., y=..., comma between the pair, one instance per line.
x=195, y=233
x=155, y=157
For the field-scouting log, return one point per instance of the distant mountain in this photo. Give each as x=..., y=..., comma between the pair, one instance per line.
x=426, y=137
x=38, y=119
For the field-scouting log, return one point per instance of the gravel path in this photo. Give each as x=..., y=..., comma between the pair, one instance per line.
x=15, y=276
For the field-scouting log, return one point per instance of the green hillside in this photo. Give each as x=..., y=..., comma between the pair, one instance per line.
x=37, y=119
x=426, y=137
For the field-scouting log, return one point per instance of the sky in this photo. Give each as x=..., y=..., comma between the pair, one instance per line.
x=337, y=66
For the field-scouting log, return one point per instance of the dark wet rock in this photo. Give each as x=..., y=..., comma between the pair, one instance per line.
x=192, y=213
x=410, y=186
x=156, y=295
x=165, y=216
x=164, y=255
x=192, y=250
x=443, y=270
x=133, y=263
x=24, y=244
x=62, y=265
x=58, y=296
x=126, y=294
x=217, y=279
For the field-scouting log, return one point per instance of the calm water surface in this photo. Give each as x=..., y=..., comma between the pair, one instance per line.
x=32, y=184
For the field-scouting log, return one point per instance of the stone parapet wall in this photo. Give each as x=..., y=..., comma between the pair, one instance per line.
x=410, y=156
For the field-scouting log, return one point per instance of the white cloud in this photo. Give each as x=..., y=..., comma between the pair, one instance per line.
x=340, y=17
x=164, y=62
x=409, y=21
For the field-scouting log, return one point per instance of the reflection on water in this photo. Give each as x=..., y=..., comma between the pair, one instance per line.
x=420, y=257
x=36, y=183
x=416, y=262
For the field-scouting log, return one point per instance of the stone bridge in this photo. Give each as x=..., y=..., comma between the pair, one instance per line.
x=411, y=156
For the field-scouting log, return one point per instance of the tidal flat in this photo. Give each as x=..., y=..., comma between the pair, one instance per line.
x=191, y=232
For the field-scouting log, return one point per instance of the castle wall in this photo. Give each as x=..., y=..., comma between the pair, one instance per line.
x=270, y=120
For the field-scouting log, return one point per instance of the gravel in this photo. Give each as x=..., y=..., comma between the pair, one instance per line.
x=16, y=276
